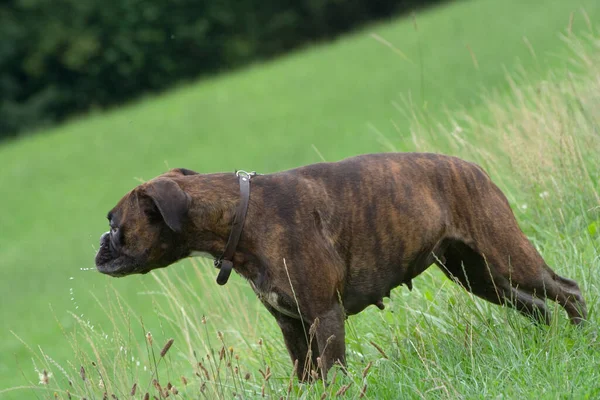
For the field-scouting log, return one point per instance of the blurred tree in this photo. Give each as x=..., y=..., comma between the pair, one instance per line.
x=59, y=57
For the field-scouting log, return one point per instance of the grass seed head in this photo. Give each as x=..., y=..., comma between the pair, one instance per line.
x=367, y=368
x=149, y=338
x=45, y=377
x=166, y=347
x=203, y=368
x=363, y=391
x=313, y=328
x=343, y=390
x=82, y=373
x=133, y=389
x=329, y=339
x=379, y=349
x=314, y=375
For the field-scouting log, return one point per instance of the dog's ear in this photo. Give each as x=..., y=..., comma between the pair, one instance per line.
x=172, y=202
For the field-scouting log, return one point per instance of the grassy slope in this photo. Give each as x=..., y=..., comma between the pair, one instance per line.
x=57, y=186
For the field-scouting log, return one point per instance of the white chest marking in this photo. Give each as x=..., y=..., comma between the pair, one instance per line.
x=272, y=299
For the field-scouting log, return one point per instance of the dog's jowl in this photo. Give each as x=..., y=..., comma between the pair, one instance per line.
x=324, y=241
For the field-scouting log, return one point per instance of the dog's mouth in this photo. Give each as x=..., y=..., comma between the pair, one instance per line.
x=111, y=262
x=121, y=266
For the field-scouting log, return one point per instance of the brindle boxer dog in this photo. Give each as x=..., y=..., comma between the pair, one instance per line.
x=325, y=241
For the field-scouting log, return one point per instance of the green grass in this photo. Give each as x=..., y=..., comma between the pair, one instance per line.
x=57, y=186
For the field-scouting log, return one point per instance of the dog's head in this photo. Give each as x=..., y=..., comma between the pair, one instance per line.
x=146, y=228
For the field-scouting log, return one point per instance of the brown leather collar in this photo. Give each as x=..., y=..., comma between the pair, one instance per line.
x=225, y=262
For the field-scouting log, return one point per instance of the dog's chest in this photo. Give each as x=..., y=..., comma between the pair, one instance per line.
x=275, y=301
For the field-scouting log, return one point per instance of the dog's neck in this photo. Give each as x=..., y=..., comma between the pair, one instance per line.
x=213, y=210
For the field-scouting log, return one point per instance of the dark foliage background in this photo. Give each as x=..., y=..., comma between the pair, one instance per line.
x=59, y=57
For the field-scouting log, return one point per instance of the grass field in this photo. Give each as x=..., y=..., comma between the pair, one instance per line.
x=437, y=85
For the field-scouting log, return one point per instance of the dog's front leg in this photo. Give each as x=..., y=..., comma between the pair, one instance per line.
x=330, y=335
x=297, y=341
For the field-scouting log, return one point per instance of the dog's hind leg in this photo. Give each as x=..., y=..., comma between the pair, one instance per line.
x=569, y=296
x=482, y=277
x=528, y=273
x=523, y=281
x=564, y=291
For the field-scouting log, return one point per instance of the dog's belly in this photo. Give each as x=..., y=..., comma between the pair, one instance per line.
x=358, y=297
x=369, y=286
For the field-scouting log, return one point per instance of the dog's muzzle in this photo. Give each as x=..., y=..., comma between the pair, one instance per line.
x=104, y=239
x=106, y=254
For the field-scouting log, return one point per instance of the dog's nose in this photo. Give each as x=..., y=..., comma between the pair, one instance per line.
x=104, y=239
